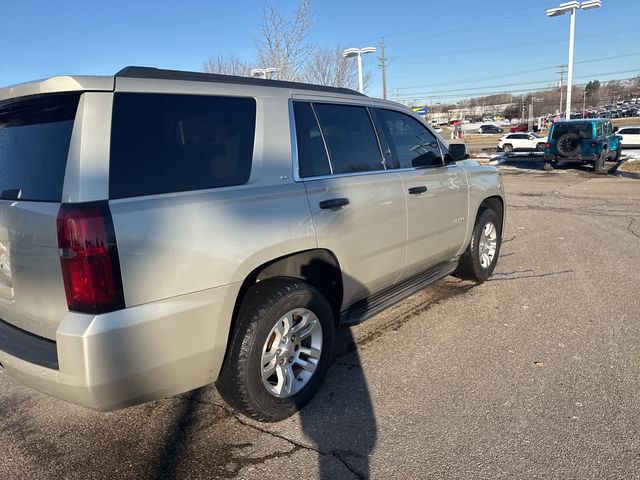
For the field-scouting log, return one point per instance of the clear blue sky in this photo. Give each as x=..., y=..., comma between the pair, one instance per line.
x=436, y=49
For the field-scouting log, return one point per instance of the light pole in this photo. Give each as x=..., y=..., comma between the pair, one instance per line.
x=262, y=72
x=358, y=52
x=571, y=7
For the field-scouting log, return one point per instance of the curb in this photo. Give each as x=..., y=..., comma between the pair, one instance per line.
x=622, y=173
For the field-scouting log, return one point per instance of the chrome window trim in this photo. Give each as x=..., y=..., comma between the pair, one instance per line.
x=368, y=106
x=294, y=141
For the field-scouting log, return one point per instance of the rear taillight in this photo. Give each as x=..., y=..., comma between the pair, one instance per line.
x=594, y=144
x=89, y=258
x=547, y=145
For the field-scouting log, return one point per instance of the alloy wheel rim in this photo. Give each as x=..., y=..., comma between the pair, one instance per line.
x=488, y=244
x=291, y=353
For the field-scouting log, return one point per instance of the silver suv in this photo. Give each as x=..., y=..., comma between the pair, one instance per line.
x=162, y=230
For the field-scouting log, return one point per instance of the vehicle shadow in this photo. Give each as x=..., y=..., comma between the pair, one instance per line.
x=339, y=424
x=526, y=161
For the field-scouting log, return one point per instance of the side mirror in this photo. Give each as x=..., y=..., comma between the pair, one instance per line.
x=457, y=151
x=615, y=129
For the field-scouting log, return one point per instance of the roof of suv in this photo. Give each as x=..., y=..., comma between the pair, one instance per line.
x=72, y=83
x=160, y=74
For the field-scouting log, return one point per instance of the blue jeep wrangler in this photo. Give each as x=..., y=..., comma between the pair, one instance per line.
x=590, y=141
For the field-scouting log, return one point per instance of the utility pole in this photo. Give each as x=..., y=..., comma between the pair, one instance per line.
x=383, y=65
x=561, y=72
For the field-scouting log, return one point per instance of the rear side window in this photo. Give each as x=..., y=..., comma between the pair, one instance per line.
x=412, y=145
x=351, y=140
x=35, y=134
x=174, y=143
x=312, y=154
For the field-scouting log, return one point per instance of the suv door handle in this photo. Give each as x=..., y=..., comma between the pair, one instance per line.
x=417, y=190
x=334, y=203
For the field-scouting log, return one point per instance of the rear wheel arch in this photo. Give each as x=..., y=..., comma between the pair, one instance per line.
x=317, y=267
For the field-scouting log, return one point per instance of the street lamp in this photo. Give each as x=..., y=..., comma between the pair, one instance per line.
x=571, y=7
x=262, y=72
x=358, y=52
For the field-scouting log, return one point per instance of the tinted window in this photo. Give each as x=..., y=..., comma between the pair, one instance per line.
x=172, y=143
x=584, y=129
x=312, y=155
x=351, y=140
x=412, y=145
x=34, y=143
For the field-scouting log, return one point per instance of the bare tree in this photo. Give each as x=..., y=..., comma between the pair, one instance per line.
x=282, y=43
x=329, y=67
x=231, y=65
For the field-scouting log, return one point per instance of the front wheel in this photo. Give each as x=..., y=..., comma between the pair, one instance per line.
x=479, y=259
x=280, y=350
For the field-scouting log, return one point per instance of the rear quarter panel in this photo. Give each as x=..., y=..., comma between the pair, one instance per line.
x=178, y=243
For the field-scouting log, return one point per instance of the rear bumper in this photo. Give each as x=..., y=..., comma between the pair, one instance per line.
x=133, y=355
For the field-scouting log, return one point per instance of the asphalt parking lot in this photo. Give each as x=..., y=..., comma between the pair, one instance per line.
x=534, y=374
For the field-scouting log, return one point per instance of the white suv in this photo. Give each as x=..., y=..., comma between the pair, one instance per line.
x=522, y=142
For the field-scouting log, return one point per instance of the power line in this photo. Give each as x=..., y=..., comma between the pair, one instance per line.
x=426, y=95
x=522, y=72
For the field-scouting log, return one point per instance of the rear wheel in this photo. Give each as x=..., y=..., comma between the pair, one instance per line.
x=507, y=148
x=540, y=147
x=280, y=350
x=479, y=259
x=618, y=154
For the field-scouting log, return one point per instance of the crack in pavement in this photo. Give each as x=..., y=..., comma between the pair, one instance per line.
x=296, y=445
x=540, y=275
x=633, y=232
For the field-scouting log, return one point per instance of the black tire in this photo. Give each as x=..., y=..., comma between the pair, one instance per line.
x=568, y=144
x=618, y=154
x=240, y=381
x=507, y=148
x=469, y=267
x=540, y=147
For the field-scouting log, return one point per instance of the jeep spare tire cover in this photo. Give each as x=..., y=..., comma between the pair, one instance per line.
x=569, y=144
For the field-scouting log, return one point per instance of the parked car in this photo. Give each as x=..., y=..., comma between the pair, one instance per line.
x=522, y=127
x=490, y=129
x=585, y=141
x=523, y=142
x=629, y=136
x=162, y=230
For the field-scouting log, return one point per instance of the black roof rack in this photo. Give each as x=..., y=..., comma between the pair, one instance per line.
x=161, y=74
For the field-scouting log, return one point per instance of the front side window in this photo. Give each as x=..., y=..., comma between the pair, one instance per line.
x=350, y=138
x=412, y=145
x=173, y=143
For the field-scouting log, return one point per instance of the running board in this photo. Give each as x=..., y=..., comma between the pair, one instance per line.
x=376, y=303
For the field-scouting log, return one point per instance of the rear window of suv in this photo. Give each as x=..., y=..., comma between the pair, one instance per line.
x=164, y=143
x=35, y=133
x=584, y=129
